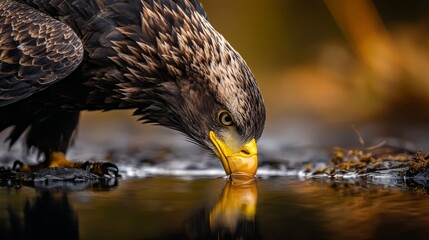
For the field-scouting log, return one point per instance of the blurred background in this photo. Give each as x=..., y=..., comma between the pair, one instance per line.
x=333, y=60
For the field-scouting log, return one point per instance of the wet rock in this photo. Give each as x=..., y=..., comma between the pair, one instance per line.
x=64, y=174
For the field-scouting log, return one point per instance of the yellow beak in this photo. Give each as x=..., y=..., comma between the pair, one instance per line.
x=242, y=159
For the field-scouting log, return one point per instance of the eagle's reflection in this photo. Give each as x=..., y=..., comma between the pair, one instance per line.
x=233, y=216
x=237, y=204
x=48, y=216
x=51, y=214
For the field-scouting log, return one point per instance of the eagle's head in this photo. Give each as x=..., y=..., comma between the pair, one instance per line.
x=184, y=75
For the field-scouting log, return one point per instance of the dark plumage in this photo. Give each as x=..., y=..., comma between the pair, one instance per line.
x=160, y=57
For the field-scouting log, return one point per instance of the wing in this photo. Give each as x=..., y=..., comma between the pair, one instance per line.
x=35, y=51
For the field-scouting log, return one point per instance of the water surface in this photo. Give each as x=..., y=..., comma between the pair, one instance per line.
x=210, y=208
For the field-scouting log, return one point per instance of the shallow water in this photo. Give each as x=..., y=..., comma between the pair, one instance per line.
x=176, y=208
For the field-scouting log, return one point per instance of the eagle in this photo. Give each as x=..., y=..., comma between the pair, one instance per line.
x=161, y=58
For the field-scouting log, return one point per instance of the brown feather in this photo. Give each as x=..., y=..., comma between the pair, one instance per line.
x=35, y=51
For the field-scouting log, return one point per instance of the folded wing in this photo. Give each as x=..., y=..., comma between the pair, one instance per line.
x=36, y=51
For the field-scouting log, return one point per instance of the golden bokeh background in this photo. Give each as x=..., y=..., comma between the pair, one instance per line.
x=333, y=60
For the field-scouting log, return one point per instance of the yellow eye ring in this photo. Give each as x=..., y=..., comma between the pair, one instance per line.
x=225, y=118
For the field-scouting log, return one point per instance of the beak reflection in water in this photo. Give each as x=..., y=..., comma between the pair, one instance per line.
x=235, y=208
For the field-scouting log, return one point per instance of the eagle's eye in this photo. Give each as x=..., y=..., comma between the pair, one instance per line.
x=225, y=118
